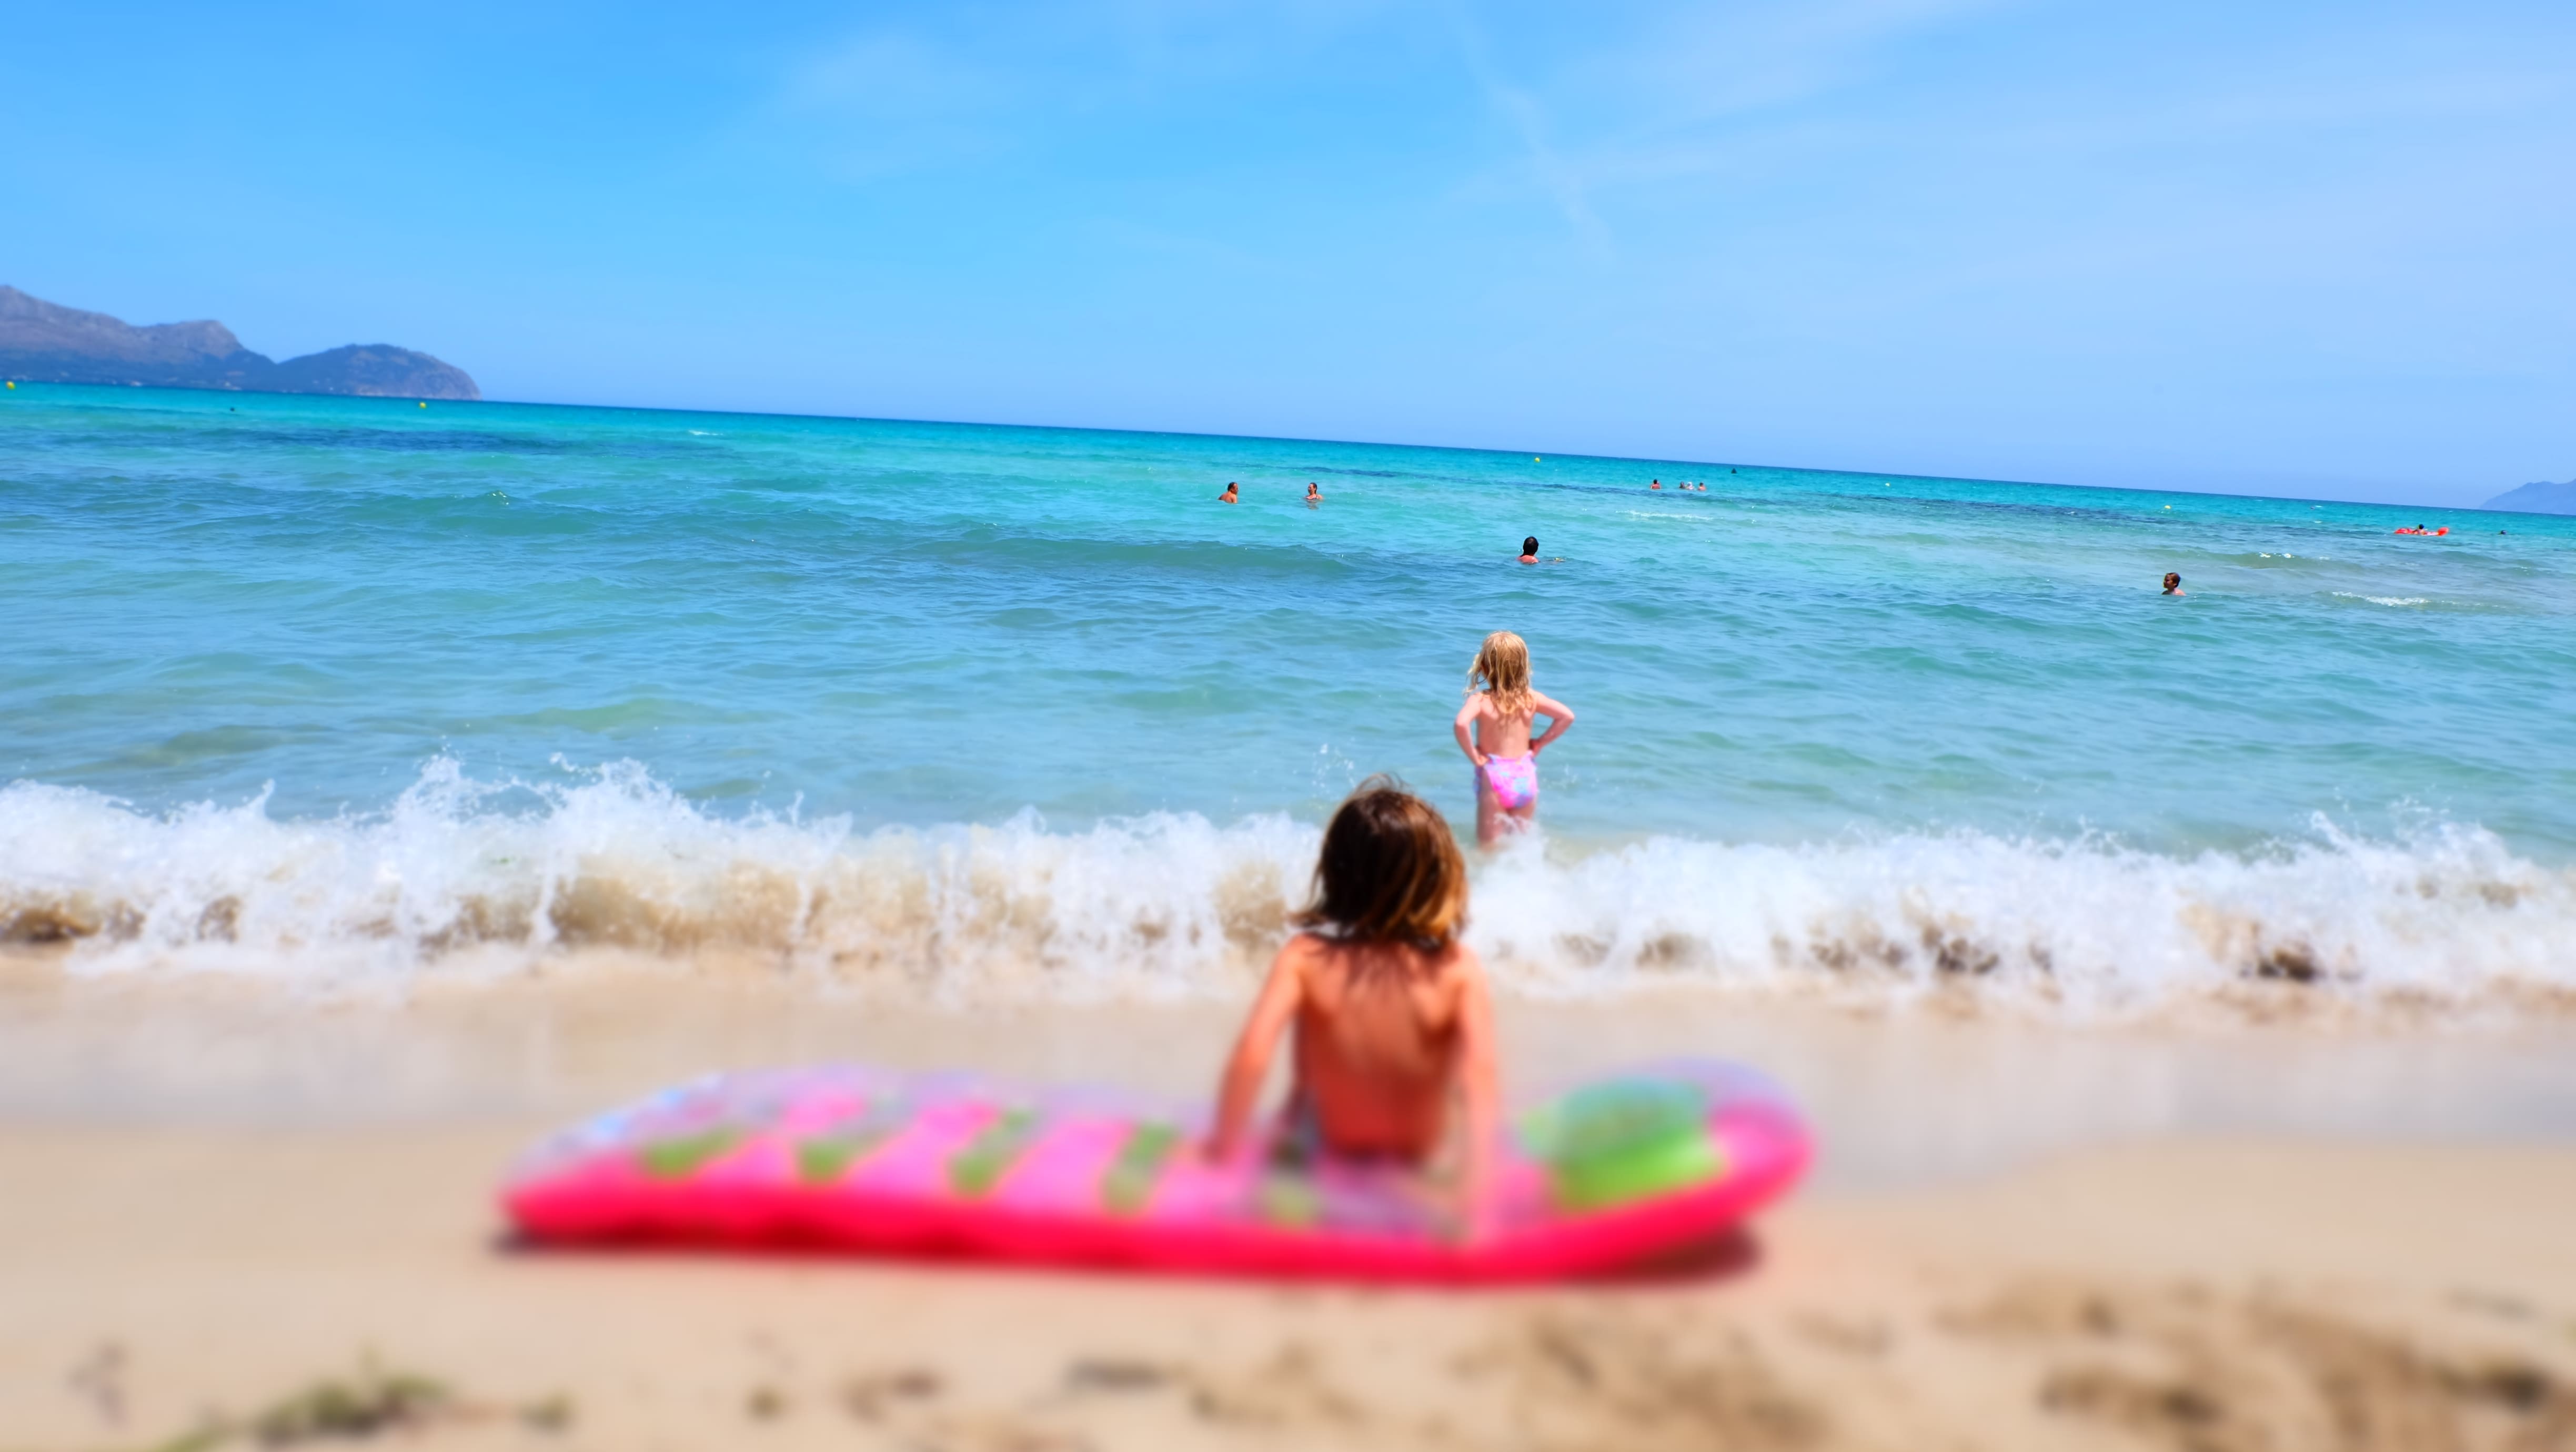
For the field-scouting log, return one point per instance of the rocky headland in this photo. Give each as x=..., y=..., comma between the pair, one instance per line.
x=2540, y=498
x=43, y=342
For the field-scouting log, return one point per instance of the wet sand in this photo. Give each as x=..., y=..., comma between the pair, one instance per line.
x=258, y=1218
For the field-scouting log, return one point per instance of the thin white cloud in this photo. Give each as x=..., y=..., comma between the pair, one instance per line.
x=1562, y=181
x=888, y=102
x=964, y=83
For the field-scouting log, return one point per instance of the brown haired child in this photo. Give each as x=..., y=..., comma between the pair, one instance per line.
x=1391, y=1011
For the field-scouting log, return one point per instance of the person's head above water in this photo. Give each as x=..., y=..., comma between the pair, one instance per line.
x=2173, y=583
x=1529, y=548
x=1390, y=871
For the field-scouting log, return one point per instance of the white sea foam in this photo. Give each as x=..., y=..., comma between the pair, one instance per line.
x=1171, y=905
x=2384, y=599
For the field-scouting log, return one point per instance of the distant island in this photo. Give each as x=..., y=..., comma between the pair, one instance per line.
x=2541, y=498
x=44, y=342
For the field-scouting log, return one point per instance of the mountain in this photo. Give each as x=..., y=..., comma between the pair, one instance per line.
x=46, y=342
x=371, y=370
x=2541, y=498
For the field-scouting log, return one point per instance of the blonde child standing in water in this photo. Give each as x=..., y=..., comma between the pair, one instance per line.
x=1494, y=731
x=1393, y=1021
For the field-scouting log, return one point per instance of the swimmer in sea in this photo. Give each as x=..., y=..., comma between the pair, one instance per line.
x=1494, y=730
x=1314, y=495
x=2173, y=583
x=1529, y=550
x=1228, y=496
x=1658, y=484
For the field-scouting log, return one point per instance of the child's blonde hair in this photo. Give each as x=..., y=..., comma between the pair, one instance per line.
x=1390, y=871
x=1502, y=671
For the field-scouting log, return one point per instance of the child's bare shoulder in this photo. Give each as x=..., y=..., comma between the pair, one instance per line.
x=1457, y=964
x=1309, y=950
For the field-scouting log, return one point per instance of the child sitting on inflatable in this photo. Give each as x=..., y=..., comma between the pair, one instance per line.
x=1393, y=1020
x=1391, y=1162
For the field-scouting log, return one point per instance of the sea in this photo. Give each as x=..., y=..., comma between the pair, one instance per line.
x=357, y=690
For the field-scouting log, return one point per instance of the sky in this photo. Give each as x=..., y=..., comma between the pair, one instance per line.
x=2313, y=250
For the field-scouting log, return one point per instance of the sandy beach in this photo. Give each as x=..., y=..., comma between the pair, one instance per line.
x=689, y=704
x=237, y=1216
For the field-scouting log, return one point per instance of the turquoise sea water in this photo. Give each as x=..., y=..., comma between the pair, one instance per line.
x=289, y=671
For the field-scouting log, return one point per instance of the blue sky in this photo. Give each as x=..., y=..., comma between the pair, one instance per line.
x=2296, y=249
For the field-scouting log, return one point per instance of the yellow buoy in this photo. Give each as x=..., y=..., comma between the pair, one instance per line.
x=424, y=405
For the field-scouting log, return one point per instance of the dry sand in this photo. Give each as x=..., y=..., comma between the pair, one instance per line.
x=227, y=1220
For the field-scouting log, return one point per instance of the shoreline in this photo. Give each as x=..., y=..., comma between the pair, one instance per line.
x=1899, y=1095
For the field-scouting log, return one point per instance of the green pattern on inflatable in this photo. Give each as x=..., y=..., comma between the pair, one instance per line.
x=1627, y=1140
x=977, y=1168
x=1289, y=1199
x=826, y=1158
x=1129, y=1182
x=677, y=1159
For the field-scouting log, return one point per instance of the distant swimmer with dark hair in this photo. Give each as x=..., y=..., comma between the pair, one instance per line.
x=1228, y=497
x=1314, y=495
x=1529, y=550
x=2173, y=583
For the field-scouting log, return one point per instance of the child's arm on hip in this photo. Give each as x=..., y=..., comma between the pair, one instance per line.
x=1559, y=716
x=1465, y=727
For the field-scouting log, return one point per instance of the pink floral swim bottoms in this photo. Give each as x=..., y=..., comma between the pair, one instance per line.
x=1513, y=781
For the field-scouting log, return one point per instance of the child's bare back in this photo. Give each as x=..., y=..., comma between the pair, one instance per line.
x=1390, y=1011
x=1379, y=1036
x=1498, y=732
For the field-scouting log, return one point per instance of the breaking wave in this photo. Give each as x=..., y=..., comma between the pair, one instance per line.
x=458, y=876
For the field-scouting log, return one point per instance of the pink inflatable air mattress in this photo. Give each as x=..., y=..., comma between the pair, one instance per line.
x=844, y=1158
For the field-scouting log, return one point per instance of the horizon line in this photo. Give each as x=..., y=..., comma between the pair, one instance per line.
x=129, y=389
